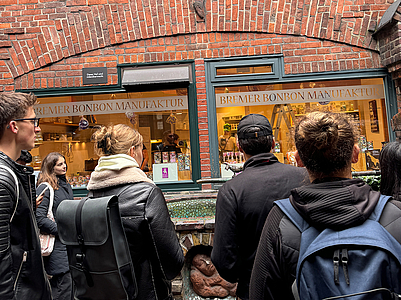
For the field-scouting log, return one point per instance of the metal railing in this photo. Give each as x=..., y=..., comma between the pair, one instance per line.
x=223, y=180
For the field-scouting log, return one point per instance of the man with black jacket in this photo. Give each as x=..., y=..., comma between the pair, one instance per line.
x=244, y=202
x=22, y=275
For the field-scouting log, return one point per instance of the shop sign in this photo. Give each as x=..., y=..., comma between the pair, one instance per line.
x=110, y=106
x=326, y=94
x=165, y=172
x=94, y=75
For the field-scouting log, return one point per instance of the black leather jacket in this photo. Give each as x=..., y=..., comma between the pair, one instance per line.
x=155, y=251
x=21, y=267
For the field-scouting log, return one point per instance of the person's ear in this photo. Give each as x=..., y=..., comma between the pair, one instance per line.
x=273, y=144
x=13, y=126
x=239, y=148
x=298, y=159
x=355, y=154
x=132, y=152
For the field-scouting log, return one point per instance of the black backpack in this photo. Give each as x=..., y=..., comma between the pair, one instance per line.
x=97, y=248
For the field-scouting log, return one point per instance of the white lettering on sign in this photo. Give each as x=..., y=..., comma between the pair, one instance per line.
x=343, y=93
x=110, y=106
x=95, y=75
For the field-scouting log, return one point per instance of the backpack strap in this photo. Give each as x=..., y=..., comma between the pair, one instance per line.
x=81, y=257
x=376, y=214
x=16, y=187
x=289, y=210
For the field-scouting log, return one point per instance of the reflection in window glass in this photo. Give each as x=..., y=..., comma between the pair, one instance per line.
x=244, y=70
x=362, y=100
x=67, y=124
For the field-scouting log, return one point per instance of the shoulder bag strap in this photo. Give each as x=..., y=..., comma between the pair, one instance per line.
x=51, y=200
x=16, y=187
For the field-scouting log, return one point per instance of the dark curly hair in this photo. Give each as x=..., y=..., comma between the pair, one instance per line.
x=325, y=142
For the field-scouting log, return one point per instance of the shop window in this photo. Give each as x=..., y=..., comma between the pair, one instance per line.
x=68, y=122
x=244, y=70
x=362, y=100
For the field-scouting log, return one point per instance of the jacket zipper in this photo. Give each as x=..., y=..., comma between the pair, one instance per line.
x=16, y=202
x=20, y=267
x=15, y=209
x=30, y=192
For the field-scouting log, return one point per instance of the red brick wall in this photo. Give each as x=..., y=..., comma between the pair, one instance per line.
x=37, y=34
x=301, y=55
x=45, y=44
x=389, y=41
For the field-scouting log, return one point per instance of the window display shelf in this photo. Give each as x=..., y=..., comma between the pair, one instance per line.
x=59, y=124
x=340, y=112
x=57, y=141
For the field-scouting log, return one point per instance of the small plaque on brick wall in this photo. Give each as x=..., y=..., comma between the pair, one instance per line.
x=94, y=75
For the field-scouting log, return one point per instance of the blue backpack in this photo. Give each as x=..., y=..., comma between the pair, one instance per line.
x=362, y=262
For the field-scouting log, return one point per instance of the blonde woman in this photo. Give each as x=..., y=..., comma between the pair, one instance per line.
x=53, y=171
x=155, y=250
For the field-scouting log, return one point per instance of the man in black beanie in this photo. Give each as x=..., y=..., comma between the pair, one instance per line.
x=244, y=202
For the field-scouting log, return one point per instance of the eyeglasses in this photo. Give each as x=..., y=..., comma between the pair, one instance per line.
x=34, y=121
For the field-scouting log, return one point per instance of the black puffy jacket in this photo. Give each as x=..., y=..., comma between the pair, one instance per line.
x=57, y=262
x=22, y=274
x=155, y=251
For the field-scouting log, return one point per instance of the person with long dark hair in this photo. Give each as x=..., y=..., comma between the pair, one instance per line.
x=53, y=171
x=390, y=167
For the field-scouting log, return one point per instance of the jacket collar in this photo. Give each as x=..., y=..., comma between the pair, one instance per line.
x=27, y=170
x=336, y=204
x=115, y=162
x=260, y=159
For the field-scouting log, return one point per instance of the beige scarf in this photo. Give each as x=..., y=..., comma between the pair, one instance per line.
x=114, y=170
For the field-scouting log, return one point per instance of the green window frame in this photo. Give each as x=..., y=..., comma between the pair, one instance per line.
x=118, y=88
x=277, y=76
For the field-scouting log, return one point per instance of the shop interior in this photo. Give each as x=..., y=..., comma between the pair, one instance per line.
x=71, y=136
x=368, y=115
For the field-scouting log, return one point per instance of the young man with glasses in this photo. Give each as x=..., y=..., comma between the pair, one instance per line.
x=22, y=275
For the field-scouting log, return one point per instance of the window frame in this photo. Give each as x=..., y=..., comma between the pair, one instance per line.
x=184, y=185
x=278, y=77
